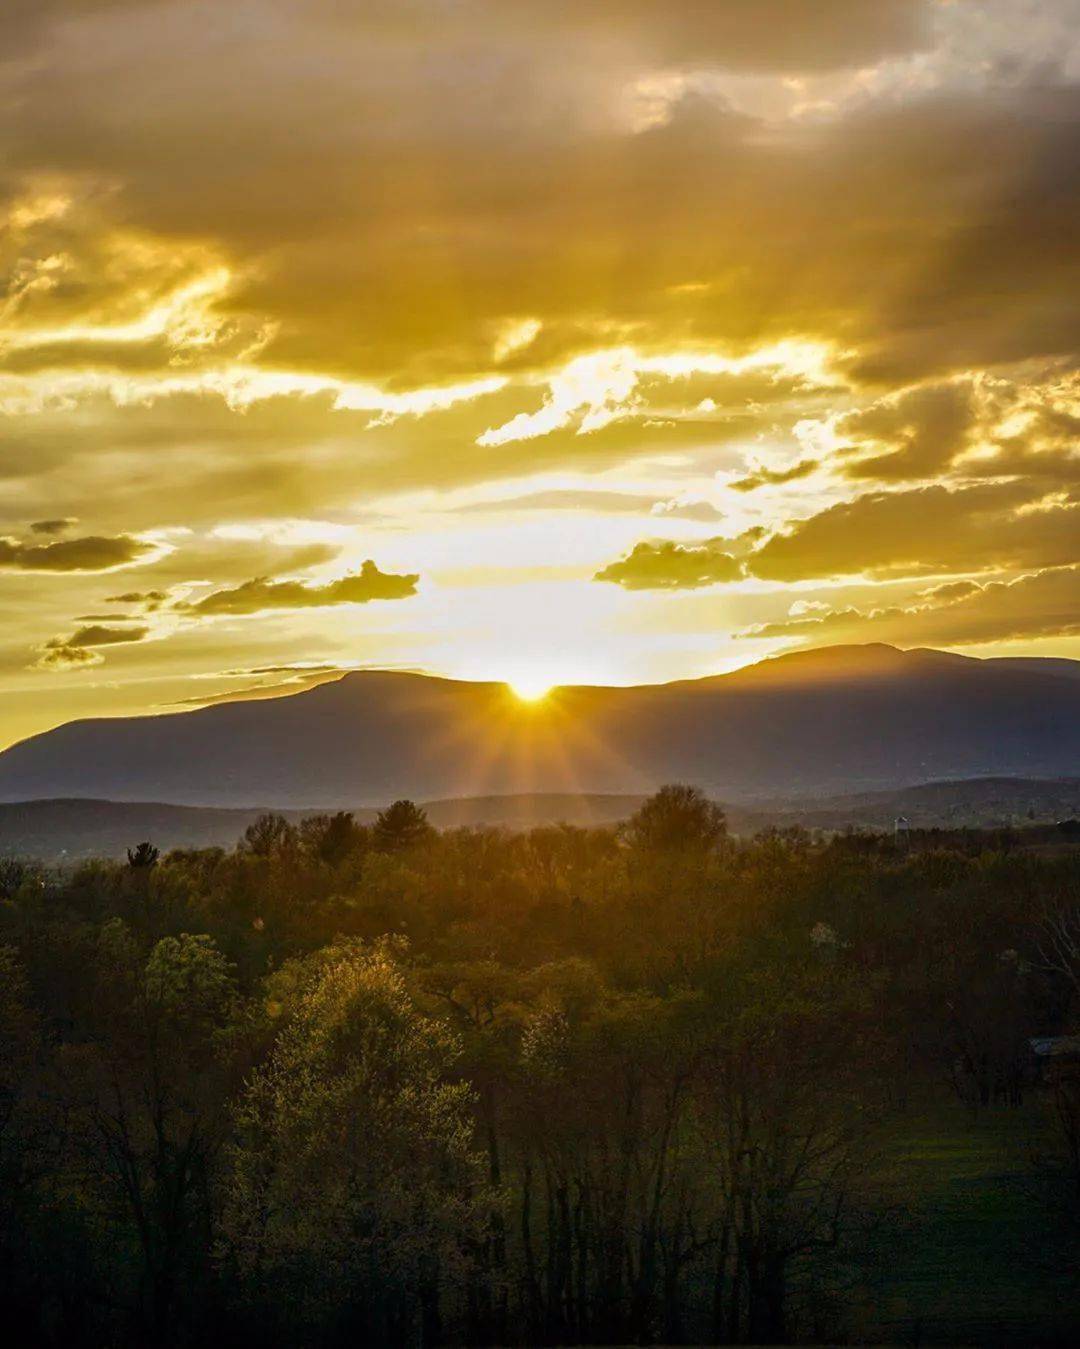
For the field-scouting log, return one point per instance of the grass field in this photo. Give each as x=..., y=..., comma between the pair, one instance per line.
x=969, y=1260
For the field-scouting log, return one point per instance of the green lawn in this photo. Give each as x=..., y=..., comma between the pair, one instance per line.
x=970, y=1260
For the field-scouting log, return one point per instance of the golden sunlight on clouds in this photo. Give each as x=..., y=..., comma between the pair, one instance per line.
x=673, y=336
x=591, y=392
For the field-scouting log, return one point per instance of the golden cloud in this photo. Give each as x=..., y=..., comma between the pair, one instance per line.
x=1042, y=604
x=663, y=565
x=81, y=648
x=93, y=553
x=263, y=593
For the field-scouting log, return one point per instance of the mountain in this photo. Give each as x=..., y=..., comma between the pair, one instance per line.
x=837, y=719
x=1058, y=665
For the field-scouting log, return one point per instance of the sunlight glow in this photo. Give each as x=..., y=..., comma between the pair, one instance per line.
x=530, y=688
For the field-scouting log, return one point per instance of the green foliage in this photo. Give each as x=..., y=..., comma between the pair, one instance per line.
x=353, y=1181
x=331, y=839
x=346, y=1085
x=677, y=820
x=269, y=836
x=400, y=826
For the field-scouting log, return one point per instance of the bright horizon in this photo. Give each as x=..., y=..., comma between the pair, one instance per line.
x=529, y=343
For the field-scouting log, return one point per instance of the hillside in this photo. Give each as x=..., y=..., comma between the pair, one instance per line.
x=65, y=830
x=969, y=803
x=68, y=829
x=836, y=720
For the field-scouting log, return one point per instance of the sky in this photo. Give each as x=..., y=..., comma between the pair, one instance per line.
x=598, y=342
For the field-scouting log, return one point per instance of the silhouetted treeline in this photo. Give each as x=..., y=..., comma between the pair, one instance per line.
x=380, y=1085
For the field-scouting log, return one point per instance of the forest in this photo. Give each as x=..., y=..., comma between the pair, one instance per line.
x=351, y=1084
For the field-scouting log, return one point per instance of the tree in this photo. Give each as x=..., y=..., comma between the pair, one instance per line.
x=677, y=819
x=152, y=1083
x=782, y=1092
x=606, y=1209
x=26, y=1136
x=268, y=836
x=143, y=857
x=12, y=874
x=400, y=826
x=330, y=839
x=354, y=1187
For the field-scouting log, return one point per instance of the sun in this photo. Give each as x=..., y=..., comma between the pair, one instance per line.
x=530, y=688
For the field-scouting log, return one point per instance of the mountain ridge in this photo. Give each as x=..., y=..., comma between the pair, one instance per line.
x=830, y=719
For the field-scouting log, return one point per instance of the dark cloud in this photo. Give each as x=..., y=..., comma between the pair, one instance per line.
x=976, y=426
x=991, y=526
x=762, y=477
x=1043, y=604
x=663, y=565
x=888, y=228
x=90, y=554
x=61, y=656
x=53, y=526
x=917, y=432
x=99, y=635
x=263, y=593
x=81, y=648
x=148, y=600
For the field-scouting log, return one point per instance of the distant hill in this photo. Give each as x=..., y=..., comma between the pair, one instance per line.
x=831, y=721
x=71, y=829
x=971, y=803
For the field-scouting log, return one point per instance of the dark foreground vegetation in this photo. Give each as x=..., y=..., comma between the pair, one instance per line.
x=352, y=1085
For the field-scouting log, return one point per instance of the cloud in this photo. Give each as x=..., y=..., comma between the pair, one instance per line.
x=595, y=391
x=664, y=565
x=989, y=526
x=912, y=434
x=977, y=425
x=764, y=231
x=148, y=600
x=770, y=35
x=658, y=242
x=767, y=477
x=53, y=526
x=299, y=677
x=565, y=499
x=689, y=508
x=93, y=553
x=263, y=593
x=62, y=656
x=1042, y=604
x=81, y=648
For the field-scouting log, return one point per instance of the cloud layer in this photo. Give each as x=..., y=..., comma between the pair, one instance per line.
x=733, y=307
